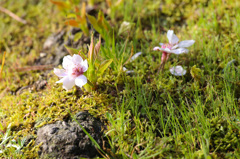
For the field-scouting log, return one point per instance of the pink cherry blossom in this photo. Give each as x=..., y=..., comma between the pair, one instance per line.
x=173, y=47
x=72, y=74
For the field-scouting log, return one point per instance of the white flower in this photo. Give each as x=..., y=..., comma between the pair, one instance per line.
x=173, y=46
x=72, y=74
x=178, y=71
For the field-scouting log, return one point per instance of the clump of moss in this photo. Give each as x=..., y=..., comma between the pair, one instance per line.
x=31, y=110
x=224, y=135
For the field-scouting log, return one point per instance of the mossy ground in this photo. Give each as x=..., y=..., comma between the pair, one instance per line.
x=150, y=114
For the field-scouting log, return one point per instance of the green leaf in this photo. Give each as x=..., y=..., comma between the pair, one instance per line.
x=134, y=156
x=76, y=2
x=104, y=66
x=102, y=22
x=109, y=117
x=94, y=23
x=85, y=29
x=72, y=51
x=71, y=15
x=78, y=36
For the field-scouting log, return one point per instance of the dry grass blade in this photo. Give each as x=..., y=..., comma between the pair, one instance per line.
x=136, y=148
x=105, y=156
x=14, y=16
x=132, y=50
x=3, y=60
x=34, y=68
x=91, y=50
x=97, y=47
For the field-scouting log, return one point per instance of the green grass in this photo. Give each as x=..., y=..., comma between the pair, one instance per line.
x=152, y=115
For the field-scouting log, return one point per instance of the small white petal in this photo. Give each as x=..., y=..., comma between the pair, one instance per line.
x=129, y=72
x=186, y=43
x=84, y=65
x=156, y=48
x=76, y=59
x=60, y=72
x=178, y=71
x=68, y=83
x=60, y=81
x=81, y=80
x=174, y=47
x=166, y=49
x=67, y=60
x=135, y=56
x=172, y=38
x=169, y=35
x=179, y=51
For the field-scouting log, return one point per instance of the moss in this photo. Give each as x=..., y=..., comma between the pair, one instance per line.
x=31, y=110
x=224, y=135
x=215, y=30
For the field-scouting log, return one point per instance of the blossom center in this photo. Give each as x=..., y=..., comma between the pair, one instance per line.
x=76, y=71
x=169, y=46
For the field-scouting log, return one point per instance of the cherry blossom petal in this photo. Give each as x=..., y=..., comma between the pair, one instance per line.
x=76, y=59
x=172, y=38
x=81, y=80
x=129, y=72
x=60, y=81
x=174, y=47
x=67, y=60
x=84, y=65
x=162, y=49
x=60, y=72
x=157, y=48
x=178, y=71
x=186, y=43
x=169, y=35
x=135, y=56
x=68, y=83
x=179, y=51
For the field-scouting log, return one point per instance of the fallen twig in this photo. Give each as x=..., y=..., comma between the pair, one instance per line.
x=34, y=68
x=14, y=16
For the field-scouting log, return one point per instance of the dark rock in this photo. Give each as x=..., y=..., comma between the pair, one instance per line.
x=54, y=39
x=54, y=47
x=67, y=140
